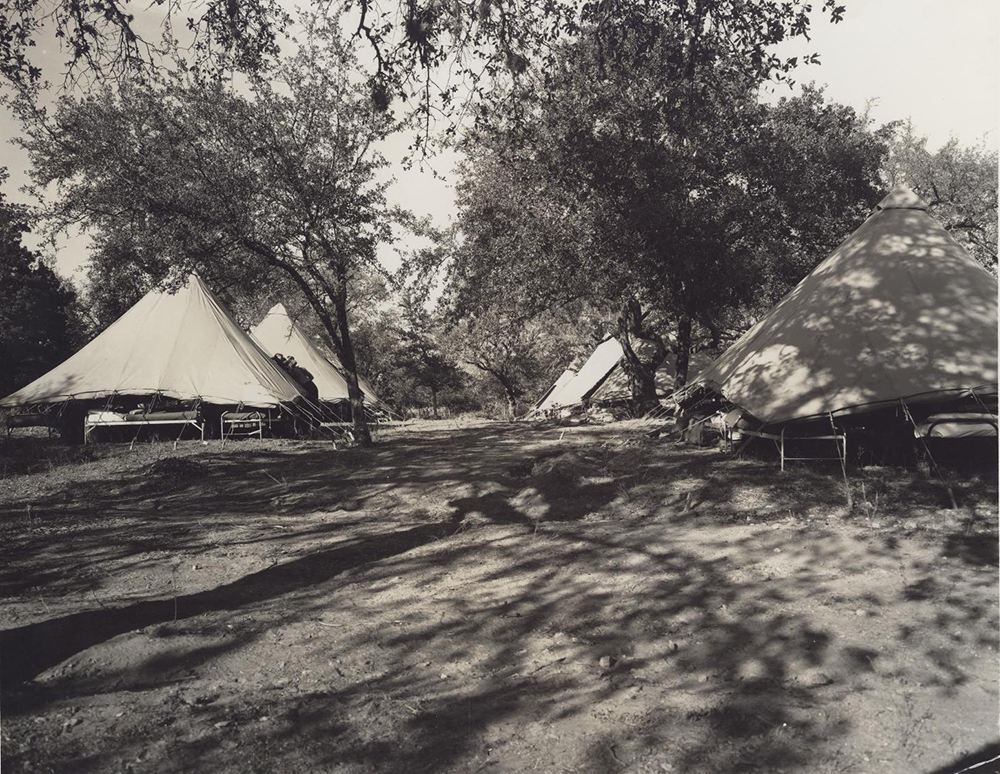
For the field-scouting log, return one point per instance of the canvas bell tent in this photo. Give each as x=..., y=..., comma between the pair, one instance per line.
x=182, y=345
x=899, y=318
x=548, y=400
x=602, y=380
x=175, y=361
x=279, y=334
x=615, y=388
x=591, y=374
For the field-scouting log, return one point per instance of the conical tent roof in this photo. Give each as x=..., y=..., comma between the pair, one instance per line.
x=279, y=334
x=549, y=398
x=182, y=345
x=898, y=311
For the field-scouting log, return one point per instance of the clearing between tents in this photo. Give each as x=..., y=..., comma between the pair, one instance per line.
x=493, y=597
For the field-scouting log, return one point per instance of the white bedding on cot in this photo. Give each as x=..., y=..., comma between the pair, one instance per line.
x=105, y=417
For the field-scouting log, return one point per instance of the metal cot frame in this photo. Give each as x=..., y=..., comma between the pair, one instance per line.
x=89, y=427
x=242, y=425
x=780, y=440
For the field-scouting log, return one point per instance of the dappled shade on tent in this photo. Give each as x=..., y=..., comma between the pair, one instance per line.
x=182, y=345
x=898, y=311
x=279, y=334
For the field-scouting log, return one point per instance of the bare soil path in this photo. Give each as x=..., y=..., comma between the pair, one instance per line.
x=490, y=598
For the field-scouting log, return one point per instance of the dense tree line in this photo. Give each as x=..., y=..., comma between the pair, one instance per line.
x=676, y=208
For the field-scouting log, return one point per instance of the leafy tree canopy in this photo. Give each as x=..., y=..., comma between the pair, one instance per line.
x=437, y=57
x=39, y=327
x=273, y=183
x=102, y=37
x=637, y=191
x=958, y=183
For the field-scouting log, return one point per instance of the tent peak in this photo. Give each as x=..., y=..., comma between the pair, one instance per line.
x=901, y=198
x=278, y=308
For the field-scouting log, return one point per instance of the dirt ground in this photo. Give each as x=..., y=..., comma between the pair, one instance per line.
x=477, y=597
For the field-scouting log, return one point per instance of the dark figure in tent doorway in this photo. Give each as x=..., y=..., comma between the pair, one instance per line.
x=304, y=379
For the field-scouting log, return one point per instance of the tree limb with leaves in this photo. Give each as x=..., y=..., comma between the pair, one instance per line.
x=448, y=62
x=959, y=184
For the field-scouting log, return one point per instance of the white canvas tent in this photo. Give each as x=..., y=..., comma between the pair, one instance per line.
x=181, y=345
x=549, y=399
x=279, y=334
x=602, y=378
x=616, y=387
x=600, y=363
x=899, y=311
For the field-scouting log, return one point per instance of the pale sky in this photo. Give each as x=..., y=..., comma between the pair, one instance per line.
x=935, y=62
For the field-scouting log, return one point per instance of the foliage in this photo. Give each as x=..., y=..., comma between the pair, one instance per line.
x=819, y=164
x=419, y=356
x=959, y=185
x=102, y=38
x=517, y=231
x=39, y=327
x=118, y=275
x=275, y=183
x=501, y=54
x=440, y=57
x=501, y=346
x=639, y=191
x=518, y=355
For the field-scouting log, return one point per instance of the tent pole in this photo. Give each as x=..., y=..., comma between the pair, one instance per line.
x=940, y=475
x=145, y=412
x=980, y=402
x=843, y=461
x=222, y=423
x=178, y=438
x=107, y=407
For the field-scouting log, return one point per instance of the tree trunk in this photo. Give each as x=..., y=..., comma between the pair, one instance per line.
x=510, y=393
x=511, y=404
x=641, y=373
x=509, y=390
x=361, y=434
x=434, y=402
x=340, y=334
x=683, y=351
x=681, y=367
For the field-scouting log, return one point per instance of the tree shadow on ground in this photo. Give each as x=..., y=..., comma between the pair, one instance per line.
x=31, y=649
